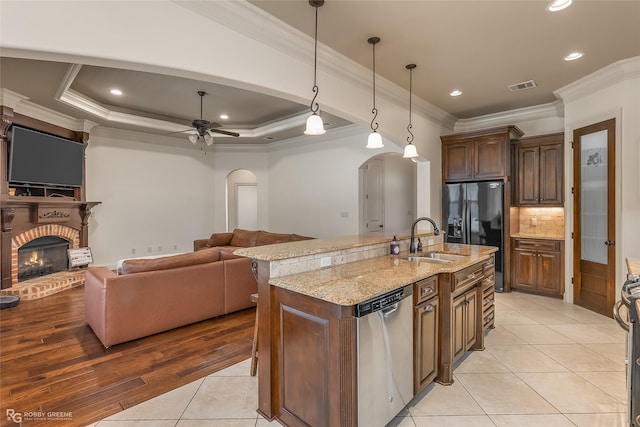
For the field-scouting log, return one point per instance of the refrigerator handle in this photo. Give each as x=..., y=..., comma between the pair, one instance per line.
x=465, y=223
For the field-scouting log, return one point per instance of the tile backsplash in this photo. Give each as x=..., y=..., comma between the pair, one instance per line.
x=542, y=221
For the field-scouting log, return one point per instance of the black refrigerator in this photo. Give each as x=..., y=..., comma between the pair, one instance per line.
x=473, y=213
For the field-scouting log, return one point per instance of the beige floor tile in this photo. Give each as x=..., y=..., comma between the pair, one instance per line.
x=480, y=362
x=515, y=303
x=614, y=352
x=501, y=336
x=504, y=394
x=454, y=421
x=614, y=330
x=512, y=317
x=599, y=420
x=546, y=420
x=137, y=423
x=525, y=358
x=264, y=423
x=538, y=334
x=218, y=423
x=586, y=334
x=548, y=317
x=224, y=398
x=577, y=357
x=586, y=316
x=241, y=369
x=401, y=422
x=612, y=383
x=444, y=400
x=570, y=393
x=170, y=405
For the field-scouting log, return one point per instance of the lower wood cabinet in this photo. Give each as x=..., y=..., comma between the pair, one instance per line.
x=465, y=309
x=538, y=266
x=425, y=332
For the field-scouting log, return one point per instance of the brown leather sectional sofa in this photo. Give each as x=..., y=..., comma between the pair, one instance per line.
x=149, y=296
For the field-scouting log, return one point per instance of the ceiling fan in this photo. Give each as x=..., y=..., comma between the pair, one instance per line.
x=204, y=129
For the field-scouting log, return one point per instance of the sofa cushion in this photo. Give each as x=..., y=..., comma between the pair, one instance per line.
x=219, y=239
x=227, y=252
x=131, y=266
x=266, y=238
x=243, y=238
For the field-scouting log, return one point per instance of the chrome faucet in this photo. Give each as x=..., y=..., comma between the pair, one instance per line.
x=412, y=244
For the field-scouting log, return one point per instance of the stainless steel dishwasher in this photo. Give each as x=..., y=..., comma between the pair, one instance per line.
x=385, y=356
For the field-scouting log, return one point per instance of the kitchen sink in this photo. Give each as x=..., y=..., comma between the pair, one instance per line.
x=441, y=255
x=435, y=257
x=427, y=259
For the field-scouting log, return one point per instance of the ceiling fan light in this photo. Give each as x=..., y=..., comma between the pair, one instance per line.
x=375, y=140
x=410, y=151
x=208, y=138
x=193, y=138
x=315, y=125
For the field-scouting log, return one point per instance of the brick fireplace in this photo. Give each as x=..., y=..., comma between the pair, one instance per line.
x=29, y=212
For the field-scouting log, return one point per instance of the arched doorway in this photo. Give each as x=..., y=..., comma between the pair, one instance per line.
x=242, y=200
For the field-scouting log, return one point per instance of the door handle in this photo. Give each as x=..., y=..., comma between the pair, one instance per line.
x=610, y=242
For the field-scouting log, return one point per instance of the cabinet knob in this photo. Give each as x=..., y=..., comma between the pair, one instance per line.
x=427, y=291
x=429, y=307
x=471, y=276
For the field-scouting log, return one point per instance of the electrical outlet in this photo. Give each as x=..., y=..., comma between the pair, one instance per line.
x=534, y=221
x=175, y=247
x=344, y=214
x=149, y=249
x=133, y=251
x=159, y=248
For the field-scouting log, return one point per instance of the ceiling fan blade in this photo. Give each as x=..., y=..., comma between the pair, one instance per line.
x=182, y=131
x=224, y=132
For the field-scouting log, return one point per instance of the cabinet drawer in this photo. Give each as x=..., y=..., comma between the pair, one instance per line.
x=425, y=289
x=488, y=283
x=488, y=317
x=540, y=245
x=467, y=276
x=488, y=265
x=488, y=298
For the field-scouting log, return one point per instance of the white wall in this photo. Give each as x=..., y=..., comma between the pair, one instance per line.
x=155, y=198
x=399, y=193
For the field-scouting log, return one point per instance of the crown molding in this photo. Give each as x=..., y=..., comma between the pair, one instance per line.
x=614, y=73
x=11, y=99
x=550, y=110
x=255, y=23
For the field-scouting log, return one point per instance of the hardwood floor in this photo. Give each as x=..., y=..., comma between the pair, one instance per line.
x=50, y=360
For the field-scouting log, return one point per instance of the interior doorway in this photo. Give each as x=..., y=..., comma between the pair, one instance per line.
x=387, y=194
x=242, y=200
x=594, y=258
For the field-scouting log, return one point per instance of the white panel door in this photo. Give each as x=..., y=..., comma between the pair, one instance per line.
x=373, y=196
x=247, y=206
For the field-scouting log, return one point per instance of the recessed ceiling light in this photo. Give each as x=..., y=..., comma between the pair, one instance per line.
x=224, y=116
x=456, y=93
x=116, y=92
x=573, y=56
x=557, y=5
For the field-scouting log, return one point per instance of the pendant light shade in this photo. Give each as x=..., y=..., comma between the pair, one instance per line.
x=410, y=151
x=315, y=125
x=374, y=140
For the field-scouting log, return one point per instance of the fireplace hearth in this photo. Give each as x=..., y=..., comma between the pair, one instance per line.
x=42, y=256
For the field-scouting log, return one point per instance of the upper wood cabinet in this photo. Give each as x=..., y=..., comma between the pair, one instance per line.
x=539, y=163
x=478, y=155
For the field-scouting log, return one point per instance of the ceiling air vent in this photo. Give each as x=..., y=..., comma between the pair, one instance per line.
x=522, y=86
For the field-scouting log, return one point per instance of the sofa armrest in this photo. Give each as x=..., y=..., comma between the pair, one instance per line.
x=199, y=244
x=95, y=298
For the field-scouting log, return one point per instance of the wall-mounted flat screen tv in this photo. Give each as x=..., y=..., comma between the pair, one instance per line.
x=43, y=159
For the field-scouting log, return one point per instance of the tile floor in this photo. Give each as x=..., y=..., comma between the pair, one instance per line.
x=547, y=363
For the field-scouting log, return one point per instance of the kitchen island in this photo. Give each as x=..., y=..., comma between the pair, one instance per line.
x=307, y=343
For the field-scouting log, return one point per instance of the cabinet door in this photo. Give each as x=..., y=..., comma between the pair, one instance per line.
x=525, y=269
x=457, y=161
x=458, y=327
x=426, y=344
x=489, y=157
x=528, y=178
x=471, y=313
x=548, y=273
x=551, y=174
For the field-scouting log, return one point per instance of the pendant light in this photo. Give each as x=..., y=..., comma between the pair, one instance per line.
x=315, y=125
x=410, y=150
x=375, y=140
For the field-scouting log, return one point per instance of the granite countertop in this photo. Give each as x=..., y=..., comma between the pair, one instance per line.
x=281, y=251
x=355, y=282
x=537, y=236
x=633, y=265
